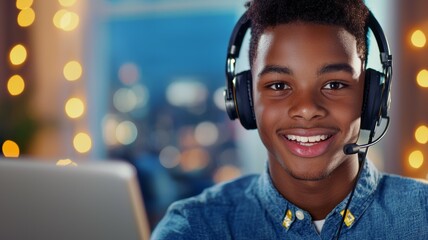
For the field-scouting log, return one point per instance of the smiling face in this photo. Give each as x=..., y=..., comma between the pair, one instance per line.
x=308, y=93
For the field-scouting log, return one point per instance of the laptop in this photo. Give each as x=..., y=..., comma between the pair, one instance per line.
x=66, y=200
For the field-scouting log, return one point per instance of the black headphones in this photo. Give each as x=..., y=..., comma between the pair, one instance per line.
x=238, y=93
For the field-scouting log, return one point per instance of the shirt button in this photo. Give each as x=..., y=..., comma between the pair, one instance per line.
x=300, y=215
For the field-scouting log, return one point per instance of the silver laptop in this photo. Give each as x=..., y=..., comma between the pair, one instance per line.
x=83, y=200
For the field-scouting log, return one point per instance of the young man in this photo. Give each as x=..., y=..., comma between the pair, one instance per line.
x=307, y=61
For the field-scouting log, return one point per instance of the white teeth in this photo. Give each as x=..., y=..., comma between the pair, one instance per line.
x=309, y=139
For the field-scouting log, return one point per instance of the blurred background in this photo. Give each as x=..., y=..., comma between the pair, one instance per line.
x=143, y=81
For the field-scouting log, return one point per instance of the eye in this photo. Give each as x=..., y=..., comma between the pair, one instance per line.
x=279, y=86
x=334, y=85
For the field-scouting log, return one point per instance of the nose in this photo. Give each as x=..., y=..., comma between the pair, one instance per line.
x=307, y=106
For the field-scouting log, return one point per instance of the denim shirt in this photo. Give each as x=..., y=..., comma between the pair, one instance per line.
x=384, y=206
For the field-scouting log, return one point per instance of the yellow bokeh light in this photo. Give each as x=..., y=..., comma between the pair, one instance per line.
x=66, y=162
x=18, y=54
x=421, y=134
x=15, y=85
x=66, y=20
x=74, y=107
x=23, y=4
x=416, y=159
x=82, y=142
x=10, y=149
x=418, y=39
x=72, y=70
x=26, y=17
x=67, y=3
x=422, y=78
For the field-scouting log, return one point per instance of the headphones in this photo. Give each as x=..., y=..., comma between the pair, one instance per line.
x=238, y=93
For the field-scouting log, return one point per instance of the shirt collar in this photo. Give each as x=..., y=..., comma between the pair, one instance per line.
x=277, y=206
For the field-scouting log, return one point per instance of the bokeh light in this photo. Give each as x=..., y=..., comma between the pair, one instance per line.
x=67, y=3
x=109, y=124
x=421, y=134
x=66, y=162
x=226, y=173
x=186, y=93
x=15, y=85
x=23, y=4
x=416, y=159
x=129, y=73
x=74, y=107
x=82, y=142
x=66, y=20
x=124, y=100
x=169, y=157
x=18, y=54
x=206, y=133
x=26, y=17
x=194, y=159
x=418, y=39
x=72, y=70
x=218, y=99
x=126, y=132
x=422, y=78
x=10, y=149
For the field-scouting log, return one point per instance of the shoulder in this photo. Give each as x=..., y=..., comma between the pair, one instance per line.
x=404, y=183
x=404, y=187
x=193, y=217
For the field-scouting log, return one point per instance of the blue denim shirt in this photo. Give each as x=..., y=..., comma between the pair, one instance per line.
x=383, y=207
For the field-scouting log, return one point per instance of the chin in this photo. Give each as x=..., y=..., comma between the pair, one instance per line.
x=309, y=176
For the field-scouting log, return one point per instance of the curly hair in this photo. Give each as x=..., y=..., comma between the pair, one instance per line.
x=352, y=15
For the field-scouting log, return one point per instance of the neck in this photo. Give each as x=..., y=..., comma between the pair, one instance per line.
x=318, y=197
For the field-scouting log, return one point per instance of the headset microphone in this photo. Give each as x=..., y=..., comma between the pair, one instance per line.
x=353, y=148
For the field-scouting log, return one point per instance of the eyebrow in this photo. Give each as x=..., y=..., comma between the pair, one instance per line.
x=328, y=68
x=275, y=69
x=337, y=67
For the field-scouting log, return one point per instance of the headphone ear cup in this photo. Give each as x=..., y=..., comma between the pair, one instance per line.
x=244, y=99
x=373, y=89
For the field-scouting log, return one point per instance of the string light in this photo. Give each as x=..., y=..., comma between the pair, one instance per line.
x=10, y=149
x=421, y=134
x=74, y=107
x=18, y=54
x=72, y=70
x=82, y=142
x=26, y=17
x=416, y=159
x=15, y=85
x=422, y=78
x=66, y=20
x=23, y=4
x=67, y=3
x=418, y=39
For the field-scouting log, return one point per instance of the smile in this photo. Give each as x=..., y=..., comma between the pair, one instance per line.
x=307, y=140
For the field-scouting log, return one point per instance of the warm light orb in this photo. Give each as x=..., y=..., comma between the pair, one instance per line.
x=416, y=159
x=422, y=78
x=82, y=142
x=10, y=149
x=18, y=54
x=26, y=17
x=74, y=107
x=418, y=39
x=66, y=162
x=72, y=70
x=15, y=85
x=421, y=134
x=23, y=4
x=67, y=3
x=66, y=20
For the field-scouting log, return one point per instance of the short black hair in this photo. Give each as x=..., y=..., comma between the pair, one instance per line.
x=352, y=15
